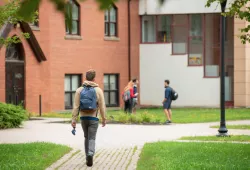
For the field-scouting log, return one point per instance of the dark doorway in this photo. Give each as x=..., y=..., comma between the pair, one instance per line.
x=14, y=71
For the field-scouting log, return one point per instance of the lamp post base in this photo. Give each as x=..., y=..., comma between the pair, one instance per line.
x=222, y=132
x=223, y=135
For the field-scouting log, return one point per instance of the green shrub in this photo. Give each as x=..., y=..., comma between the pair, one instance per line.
x=11, y=116
x=135, y=119
x=146, y=118
x=123, y=118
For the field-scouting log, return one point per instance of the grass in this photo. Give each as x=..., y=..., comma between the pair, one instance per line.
x=183, y=115
x=189, y=156
x=238, y=138
x=234, y=127
x=27, y=156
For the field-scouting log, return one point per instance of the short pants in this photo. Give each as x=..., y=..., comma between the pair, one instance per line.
x=134, y=102
x=167, y=104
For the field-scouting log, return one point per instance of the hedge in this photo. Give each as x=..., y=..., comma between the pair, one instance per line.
x=11, y=116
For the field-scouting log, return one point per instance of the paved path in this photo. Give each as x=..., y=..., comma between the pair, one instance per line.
x=116, y=144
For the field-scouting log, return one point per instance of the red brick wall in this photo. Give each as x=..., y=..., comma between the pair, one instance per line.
x=76, y=56
x=2, y=74
x=135, y=39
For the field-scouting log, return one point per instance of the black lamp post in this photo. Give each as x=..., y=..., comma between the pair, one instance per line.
x=222, y=130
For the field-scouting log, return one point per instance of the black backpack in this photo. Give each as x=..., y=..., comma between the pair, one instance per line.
x=174, y=94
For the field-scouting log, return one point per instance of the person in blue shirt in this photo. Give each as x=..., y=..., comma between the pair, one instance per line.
x=135, y=99
x=167, y=101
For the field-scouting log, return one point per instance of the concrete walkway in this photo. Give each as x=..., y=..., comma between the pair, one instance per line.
x=118, y=146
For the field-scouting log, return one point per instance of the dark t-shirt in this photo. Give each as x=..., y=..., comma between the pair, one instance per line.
x=135, y=90
x=168, y=93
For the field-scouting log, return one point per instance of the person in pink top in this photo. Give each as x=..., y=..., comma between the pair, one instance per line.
x=129, y=103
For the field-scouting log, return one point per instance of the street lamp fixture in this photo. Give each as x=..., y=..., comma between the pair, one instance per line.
x=222, y=130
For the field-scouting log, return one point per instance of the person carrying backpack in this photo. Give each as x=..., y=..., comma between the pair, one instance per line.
x=170, y=95
x=128, y=96
x=88, y=100
x=135, y=99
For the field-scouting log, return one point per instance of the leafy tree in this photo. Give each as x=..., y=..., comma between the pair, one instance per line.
x=238, y=9
x=10, y=14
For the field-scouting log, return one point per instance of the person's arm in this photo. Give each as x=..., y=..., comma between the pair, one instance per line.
x=166, y=95
x=102, y=105
x=132, y=95
x=75, y=111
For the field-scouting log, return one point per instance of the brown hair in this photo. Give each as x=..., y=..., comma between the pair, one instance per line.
x=129, y=86
x=90, y=75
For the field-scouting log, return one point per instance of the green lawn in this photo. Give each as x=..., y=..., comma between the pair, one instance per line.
x=30, y=156
x=187, y=115
x=234, y=127
x=239, y=138
x=190, y=156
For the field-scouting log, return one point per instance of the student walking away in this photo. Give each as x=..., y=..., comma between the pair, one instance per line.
x=135, y=99
x=88, y=100
x=170, y=95
x=128, y=96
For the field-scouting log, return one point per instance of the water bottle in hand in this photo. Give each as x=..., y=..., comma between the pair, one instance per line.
x=74, y=131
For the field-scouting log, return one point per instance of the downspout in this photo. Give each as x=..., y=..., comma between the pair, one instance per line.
x=129, y=43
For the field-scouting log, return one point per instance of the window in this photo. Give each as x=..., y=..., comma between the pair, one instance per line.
x=164, y=28
x=212, y=45
x=180, y=34
x=195, y=40
x=148, y=29
x=71, y=83
x=156, y=29
x=73, y=14
x=111, y=89
x=111, y=21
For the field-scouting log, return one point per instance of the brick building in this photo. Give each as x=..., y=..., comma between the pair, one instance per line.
x=179, y=40
x=51, y=64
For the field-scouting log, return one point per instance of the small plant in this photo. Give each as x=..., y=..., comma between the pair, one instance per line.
x=123, y=118
x=146, y=118
x=11, y=116
x=135, y=119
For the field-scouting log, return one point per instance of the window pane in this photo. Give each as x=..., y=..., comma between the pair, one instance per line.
x=112, y=29
x=113, y=98
x=196, y=25
x=195, y=51
x=113, y=85
x=212, y=46
x=164, y=28
x=148, y=29
x=106, y=29
x=67, y=102
x=180, y=19
x=106, y=16
x=74, y=27
x=67, y=83
x=75, y=12
x=106, y=97
x=112, y=14
x=75, y=82
x=179, y=40
x=106, y=82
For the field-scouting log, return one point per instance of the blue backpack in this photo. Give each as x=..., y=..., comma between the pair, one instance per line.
x=88, y=99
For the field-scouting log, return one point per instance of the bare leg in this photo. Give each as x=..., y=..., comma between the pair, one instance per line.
x=170, y=114
x=134, y=110
x=167, y=114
